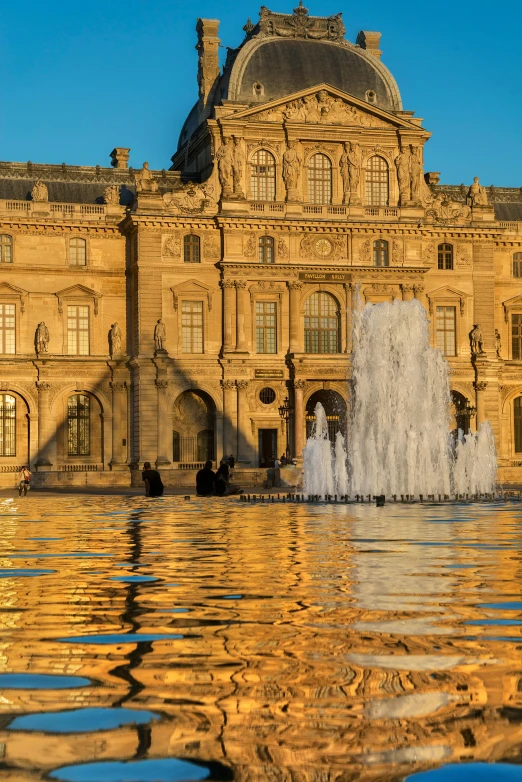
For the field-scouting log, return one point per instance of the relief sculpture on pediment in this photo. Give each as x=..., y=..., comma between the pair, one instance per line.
x=321, y=108
x=191, y=199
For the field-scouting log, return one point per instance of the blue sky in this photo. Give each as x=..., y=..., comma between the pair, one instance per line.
x=79, y=78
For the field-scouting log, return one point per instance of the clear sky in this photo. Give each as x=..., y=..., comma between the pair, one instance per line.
x=79, y=78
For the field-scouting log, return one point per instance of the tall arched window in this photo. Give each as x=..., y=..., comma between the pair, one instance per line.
x=191, y=249
x=517, y=423
x=7, y=425
x=321, y=324
x=380, y=253
x=320, y=179
x=6, y=248
x=262, y=176
x=377, y=181
x=445, y=256
x=77, y=252
x=266, y=249
x=517, y=264
x=78, y=425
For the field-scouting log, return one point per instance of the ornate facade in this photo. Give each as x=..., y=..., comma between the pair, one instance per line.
x=164, y=316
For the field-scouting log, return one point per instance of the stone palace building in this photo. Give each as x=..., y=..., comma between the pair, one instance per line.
x=165, y=316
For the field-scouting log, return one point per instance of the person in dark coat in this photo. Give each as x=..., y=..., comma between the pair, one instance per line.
x=205, y=480
x=153, y=482
x=231, y=461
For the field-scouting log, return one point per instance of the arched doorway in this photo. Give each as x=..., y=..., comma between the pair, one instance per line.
x=14, y=431
x=335, y=409
x=461, y=412
x=194, y=427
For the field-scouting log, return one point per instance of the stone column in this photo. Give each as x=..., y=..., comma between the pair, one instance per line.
x=242, y=410
x=480, y=387
x=164, y=427
x=229, y=416
x=295, y=289
x=241, y=345
x=229, y=314
x=44, y=428
x=407, y=292
x=349, y=314
x=119, y=399
x=299, y=418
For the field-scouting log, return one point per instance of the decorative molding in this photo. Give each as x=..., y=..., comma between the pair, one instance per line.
x=321, y=108
x=211, y=245
x=447, y=293
x=12, y=291
x=77, y=292
x=172, y=246
x=192, y=287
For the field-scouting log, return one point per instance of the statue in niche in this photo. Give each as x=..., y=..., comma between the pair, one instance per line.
x=350, y=166
x=115, y=339
x=42, y=338
x=40, y=191
x=160, y=335
x=476, y=341
x=402, y=162
x=498, y=344
x=237, y=165
x=225, y=161
x=416, y=174
x=291, y=166
x=477, y=194
x=145, y=182
x=111, y=194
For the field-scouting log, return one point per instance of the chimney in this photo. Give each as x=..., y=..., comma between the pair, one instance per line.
x=369, y=41
x=120, y=157
x=208, y=60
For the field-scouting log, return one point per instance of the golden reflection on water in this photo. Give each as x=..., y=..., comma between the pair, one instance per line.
x=318, y=643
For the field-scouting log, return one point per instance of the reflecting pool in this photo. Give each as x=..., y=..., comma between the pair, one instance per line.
x=211, y=639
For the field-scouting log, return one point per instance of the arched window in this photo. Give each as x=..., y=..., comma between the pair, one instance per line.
x=517, y=265
x=77, y=252
x=7, y=425
x=6, y=248
x=175, y=446
x=517, y=423
x=321, y=324
x=377, y=181
x=191, y=249
x=262, y=176
x=320, y=179
x=78, y=425
x=445, y=256
x=266, y=249
x=205, y=445
x=380, y=253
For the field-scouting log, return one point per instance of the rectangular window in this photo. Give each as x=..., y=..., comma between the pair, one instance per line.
x=7, y=328
x=78, y=331
x=192, y=327
x=266, y=327
x=446, y=330
x=78, y=252
x=516, y=337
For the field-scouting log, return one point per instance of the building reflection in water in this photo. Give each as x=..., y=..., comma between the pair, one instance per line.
x=316, y=643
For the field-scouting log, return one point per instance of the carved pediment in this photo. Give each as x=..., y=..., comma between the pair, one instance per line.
x=12, y=291
x=77, y=292
x=192, y=288
x=511, y=304
x=323, y=105
x=447, y=292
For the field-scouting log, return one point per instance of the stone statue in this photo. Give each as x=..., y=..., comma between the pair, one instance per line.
x=225, y=161
x=160, y=335
x=40, y=191
x=477, y=194
x=350, y=166
x=416, y=174
x=42, y=338
x=145, y=182
x=111, y=194
x=498, y=344
x=237, y=166
x=115, y=339
x=402, y=162
x=476, y=341
x=291, y=166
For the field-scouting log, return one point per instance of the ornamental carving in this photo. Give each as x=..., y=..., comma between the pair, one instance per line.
x=320, y=109
x=397, y=253
x=299, y=25
x=266, y=286
x=321, y=246
x=250, y=246
x=228, y=385
x=144, y=180
x=463, y=255
x=429, y=256
x=263, y=144
x=282, y=249
x=365, y=251
x=40, y=191
x=191, y=199
x=111, y=195
x=211, y=246
x=172, y=246
x=442, y=209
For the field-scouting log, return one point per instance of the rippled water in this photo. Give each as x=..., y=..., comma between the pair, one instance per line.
x=169, y=640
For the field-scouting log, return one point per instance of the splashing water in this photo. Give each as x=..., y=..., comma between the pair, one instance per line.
x=398, y=438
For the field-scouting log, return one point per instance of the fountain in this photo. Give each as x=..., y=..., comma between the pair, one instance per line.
x=398, y=436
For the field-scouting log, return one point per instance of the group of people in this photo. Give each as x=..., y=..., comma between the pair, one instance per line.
x=210, y=483
x=277, y=463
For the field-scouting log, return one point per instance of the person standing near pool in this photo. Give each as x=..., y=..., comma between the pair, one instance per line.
x=24, y=477
x=153, y=482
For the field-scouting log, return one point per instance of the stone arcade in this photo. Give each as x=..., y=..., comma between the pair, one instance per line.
x=165, y=316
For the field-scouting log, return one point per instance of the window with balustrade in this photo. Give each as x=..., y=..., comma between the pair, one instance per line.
x=266, y=327
x=320, y=179
x=445, y=256
x=191, y=249
x=7, y=328
x=79, y=425
x=192, y=327
x=321, y=324
x=377, y=181
x=266, y=249
x=262, y=176
x=78, y=330
x=6, y=248
x=381, y=256
x=517, y=265
x=446, y=330
x=77, y=252
x=7, y=425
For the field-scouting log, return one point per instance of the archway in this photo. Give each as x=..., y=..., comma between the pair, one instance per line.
x=335, y=409
x=461, y=413
x=14, y=431
x=194, y=428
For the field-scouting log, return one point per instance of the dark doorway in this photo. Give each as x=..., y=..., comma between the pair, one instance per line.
x=267, y=447
x=335, y=409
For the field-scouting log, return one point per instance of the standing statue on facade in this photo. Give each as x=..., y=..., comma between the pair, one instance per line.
x=40, y=191
x=476, y=341
x=498, y=344
x=144, y=180
x=291, y=168
x=111, y=194
x=477, y=194
x=225, y=162
x=42, y=338
x=160, y=335
x=350, y=167
x=402, y=162
x=237, y=166
x=115, y=339
x=416, y=176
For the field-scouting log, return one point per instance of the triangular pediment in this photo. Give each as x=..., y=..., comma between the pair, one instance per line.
x=515, y=301
x=77, y=292
x=6, y=289
x=447, y=292
x=192, y=287
x=323, y=105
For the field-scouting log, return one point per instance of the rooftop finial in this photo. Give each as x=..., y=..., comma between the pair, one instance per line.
x=249, y=26
x=301, y=10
